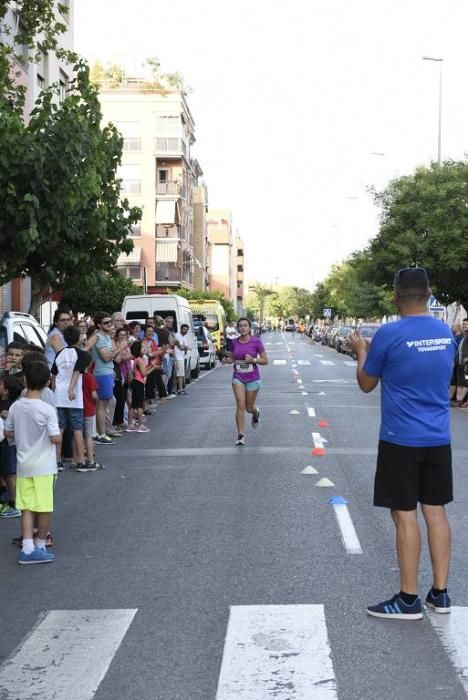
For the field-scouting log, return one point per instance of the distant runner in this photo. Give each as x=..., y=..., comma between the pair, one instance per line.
x=247, y=353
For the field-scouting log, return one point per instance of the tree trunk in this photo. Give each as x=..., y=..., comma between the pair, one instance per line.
x=37, y=297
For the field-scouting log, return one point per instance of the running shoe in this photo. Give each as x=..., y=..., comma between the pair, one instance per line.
x=18, y=541
x=183, y=392
x=255, y=418
x=60, y=467
x=84, y=467
x=94, y=466
x=104, y=440
x=143, y=429
x=240, y=440
x=131, y=429
x=438, y=603
x=7, y=511
x=37, y=556
x=397, y=609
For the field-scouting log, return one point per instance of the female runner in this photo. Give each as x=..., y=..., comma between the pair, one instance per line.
x=247, y=353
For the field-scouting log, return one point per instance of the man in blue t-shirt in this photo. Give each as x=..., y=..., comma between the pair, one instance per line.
x=413, y=358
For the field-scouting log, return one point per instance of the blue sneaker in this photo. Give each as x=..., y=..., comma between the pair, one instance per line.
x=6, y=511
x=438, y=603
x=397, y=609
x=37, y=556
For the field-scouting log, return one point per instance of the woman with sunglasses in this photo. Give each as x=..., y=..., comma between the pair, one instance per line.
x=247, y=352
x=55, y=340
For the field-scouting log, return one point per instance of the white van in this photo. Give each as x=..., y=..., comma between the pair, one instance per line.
x=143, y=308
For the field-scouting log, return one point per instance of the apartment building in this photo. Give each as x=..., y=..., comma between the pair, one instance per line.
x=222, y=253
x=240, y=279
x=200, y=237
x=159, y=175
x=16, y=295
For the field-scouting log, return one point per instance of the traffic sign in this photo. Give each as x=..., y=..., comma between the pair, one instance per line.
x=434, y=305
x=327, y=313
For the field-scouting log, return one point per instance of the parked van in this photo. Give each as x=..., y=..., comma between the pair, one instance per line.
x=211, y=312
x=144, y=307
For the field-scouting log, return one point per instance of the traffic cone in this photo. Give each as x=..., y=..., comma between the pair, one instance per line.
x=323, y=424
x=318, y=451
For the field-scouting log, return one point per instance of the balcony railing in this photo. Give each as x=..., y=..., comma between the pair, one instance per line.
x=169, y=145
x=169, y=188
x=173, y=272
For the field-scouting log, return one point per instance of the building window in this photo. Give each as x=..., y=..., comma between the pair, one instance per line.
x=166, y=145
x=132, y=272
x=21, y=50
x=131, y=178
x=168, y=125
x=131, y=132
x=63, y=82
x=132, y=143
x=136, y=229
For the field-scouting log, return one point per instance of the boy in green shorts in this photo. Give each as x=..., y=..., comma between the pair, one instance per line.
x=33, y=424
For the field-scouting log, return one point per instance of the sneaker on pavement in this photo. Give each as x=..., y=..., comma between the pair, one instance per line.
x=18, y=541
x=397, y=609
x=6, y=511
x=240, y=440
x=84, y=467
x=131, y=429
x=143, y=429
x=438, y=603
x=104, y=440
x=94, y=466
x=184, y=392
x=37, y=556
x=255, y=418
x=60, y=467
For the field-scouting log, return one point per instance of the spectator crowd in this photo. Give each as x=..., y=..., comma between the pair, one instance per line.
x=94, y=381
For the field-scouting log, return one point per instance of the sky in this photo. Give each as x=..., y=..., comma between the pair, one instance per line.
x=293, y=100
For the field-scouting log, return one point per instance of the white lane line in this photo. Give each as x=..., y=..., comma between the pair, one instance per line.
x=350, y=363
x=279, y=362
x=303, y=362
x=277, y=651
x=305, y=393
x=318, y=440
x=348, y=532
x=66, y=655
x=268, y=343
x=279, y=343
x=295, y=371
x=311, y=412
x=326, y=362
x=299, y=381
x=452, y=632
x=318, y=355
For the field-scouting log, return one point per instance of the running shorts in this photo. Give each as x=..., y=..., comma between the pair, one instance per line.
x=35, y=493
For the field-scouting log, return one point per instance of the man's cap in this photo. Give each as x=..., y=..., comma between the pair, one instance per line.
x=412, y=277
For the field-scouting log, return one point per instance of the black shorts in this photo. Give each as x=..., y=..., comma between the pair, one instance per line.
x=138, y=394
x=408, y=475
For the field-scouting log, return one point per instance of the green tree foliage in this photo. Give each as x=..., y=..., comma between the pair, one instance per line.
x=228, y=306
x=105, y=293
x=262, y=293
x=424, y=221
x=61, y=218
x=37, y=17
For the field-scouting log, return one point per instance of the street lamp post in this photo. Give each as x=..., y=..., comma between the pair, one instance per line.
x=439, y=139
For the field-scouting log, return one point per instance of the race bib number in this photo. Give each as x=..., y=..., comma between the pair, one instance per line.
x=243, y=367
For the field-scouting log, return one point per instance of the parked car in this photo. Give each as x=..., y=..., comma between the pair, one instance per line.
x=206, y=347
x=291, y=326
x=367, y=330
x=142, y=307
x=15, y=325
x=340, y=338
x=325, y=340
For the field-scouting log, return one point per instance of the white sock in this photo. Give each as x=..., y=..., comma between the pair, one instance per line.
x=40, y=544
x=28, y=546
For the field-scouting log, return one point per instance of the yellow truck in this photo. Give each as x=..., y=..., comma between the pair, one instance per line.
x=210, y=312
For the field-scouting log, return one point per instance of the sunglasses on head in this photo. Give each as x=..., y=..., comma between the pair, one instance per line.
x=408, y=269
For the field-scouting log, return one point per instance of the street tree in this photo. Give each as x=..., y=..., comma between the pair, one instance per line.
x=261, y=292
x=424, y=221
x=105, y=293
x=61, y=218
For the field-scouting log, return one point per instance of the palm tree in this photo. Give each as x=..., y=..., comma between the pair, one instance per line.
x=262, y=293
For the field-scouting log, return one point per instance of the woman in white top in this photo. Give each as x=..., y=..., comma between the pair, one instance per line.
x=55, y=341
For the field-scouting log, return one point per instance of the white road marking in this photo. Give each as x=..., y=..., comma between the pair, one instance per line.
x=279, y=362
x=304, y=393
x=319, y=441
x=268, y=343
x=303, y=362
x=279, y=343
x=350, y=363
x=277, y=651
x=295, y=371
x=322, y=393
x=311, y=412
x=293, y=413
x=294, y=365
x=324, y=483
x=66, y=655
x=452, y=632
x=326, y=362
x=348, y=532
x=318, y=355
x=299, y=381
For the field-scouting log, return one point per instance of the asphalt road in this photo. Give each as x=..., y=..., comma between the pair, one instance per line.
x=183, y=527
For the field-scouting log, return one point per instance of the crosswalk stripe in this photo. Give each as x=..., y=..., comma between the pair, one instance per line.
x=311, y=411
x=303, y=362
x=326, y=362
x=277, y=651
x=66, y=655
x=452, y=632
x=279, y=362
